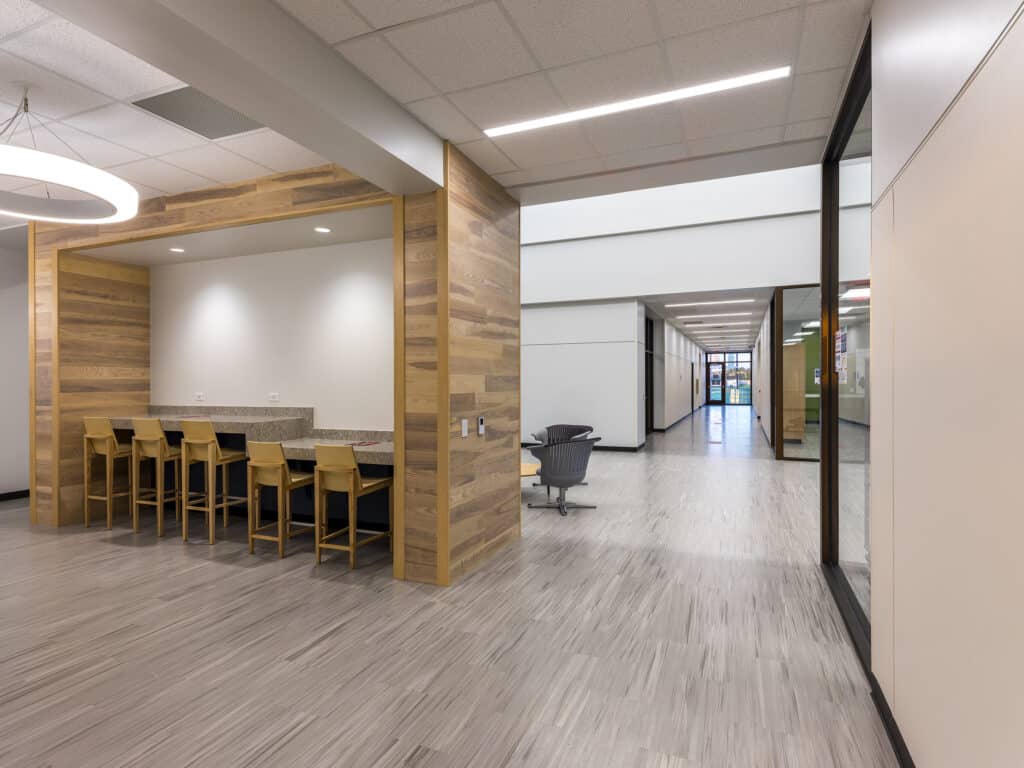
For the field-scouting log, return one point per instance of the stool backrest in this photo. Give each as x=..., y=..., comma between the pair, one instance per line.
x=337, y=468
x=150, y=439
x=100, y=434
x=267, y=461
x=199, y=431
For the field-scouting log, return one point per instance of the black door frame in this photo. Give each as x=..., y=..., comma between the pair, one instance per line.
x=778, y=338
x=707, y=383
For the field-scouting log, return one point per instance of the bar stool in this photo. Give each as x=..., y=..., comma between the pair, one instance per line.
x=269, y=468
x=337, y=471
x=150, y=442
x=100, y=440
x=200, y=446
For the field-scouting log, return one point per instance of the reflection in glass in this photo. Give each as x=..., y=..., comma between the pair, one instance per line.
x=801, y=373
x=853, y=357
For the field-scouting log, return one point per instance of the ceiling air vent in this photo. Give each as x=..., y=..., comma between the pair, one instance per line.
x=198, y=112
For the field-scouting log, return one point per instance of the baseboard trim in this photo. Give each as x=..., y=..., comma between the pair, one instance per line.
x=680, y=420
x=899, y=746
x=11, y=495
x=620, y=448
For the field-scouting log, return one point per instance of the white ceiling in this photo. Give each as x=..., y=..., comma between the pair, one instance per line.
x=374, y=223
x=82, y=89
x=734, y=337
x=464, y=65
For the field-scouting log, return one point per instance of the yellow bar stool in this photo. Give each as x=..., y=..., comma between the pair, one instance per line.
x=200, y=446
x=100, y=440
x=150, y=442
x=337, y=471
x=269, y=468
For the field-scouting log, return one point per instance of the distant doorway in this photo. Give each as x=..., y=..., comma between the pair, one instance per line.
x=716, y=383
x=648, y=376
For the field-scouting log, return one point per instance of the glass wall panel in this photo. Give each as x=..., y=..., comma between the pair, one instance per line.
x=738, y=378
x=853, y=357
x=801, y=373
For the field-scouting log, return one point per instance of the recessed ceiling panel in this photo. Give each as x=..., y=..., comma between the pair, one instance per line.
x=198, y=112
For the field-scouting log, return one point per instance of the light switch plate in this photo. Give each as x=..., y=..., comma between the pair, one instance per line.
x=199, y=397
x=465, y=427
x=274, y=397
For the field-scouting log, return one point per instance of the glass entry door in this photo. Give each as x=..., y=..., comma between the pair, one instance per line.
x=738, y=378
x=716, y=383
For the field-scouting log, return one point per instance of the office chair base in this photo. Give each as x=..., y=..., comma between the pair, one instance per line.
x=563, y=508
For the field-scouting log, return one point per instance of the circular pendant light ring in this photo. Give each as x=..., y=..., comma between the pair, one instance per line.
x=114, y=199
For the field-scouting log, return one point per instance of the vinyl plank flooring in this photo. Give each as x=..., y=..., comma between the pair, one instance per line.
x=682, y=624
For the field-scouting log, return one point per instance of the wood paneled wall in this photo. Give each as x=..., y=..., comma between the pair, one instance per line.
x=89, y=322
x=483, y=364
x=461, y=281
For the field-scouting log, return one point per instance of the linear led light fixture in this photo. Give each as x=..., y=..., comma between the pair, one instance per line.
x=715, y=325
x=640, y=102
x=804, y=333
x=711, y=303
x=855, y=294
x=813, y=324
x=717, y=314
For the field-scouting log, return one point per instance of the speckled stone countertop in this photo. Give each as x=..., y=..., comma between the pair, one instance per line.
x=293, y=427
x=302, y=449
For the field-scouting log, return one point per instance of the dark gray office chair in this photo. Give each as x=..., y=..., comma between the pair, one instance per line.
x=561, y=433
x=564, y=465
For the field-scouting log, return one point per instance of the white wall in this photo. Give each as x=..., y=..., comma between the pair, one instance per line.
x=14, y=371
x=315, y=326
x=678, y=378
x=762, y=372
x=583, y=364
x=946, y=511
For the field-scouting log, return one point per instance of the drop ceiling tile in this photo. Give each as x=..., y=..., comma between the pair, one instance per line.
x=53, y=190
x=385, y=13
x=95, y=151
x=445, y=120
x=332, y=20
x=679, y=18
x=376, y=59
x=737, y=142
x=649, y=156
x=816, y=94
x=215, y=162
x=487, y=156
x=545, y=146
x=563, y=31
x=51, y=96
x=463, y=49
x=78, y=55
x=720, y=114
x=832, y=32
x=160, y=175
x=135, y=129
x=611, y=78
x=641, y=128
x=552, y=172
x=809, y=129
x=522, y=98
x=16, y=15
x=737, y=49
x=273, y=150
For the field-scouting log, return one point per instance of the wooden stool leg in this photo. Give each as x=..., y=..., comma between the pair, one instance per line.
x=184, y=494
x=352, y=514
x=318, y=532
x=161, y=463
x=391, y=520
x=211, y=495
x=86, y=467
x=252, y=507
x=224, y=491
x=281, y=535
x=110, y=490
x=134, y=480
x=175, y=467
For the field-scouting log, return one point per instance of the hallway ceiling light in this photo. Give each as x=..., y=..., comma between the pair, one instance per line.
x=716, y=324
x=804, y=333
x=640, y=102
x=813, y=324
x=710, y=303
x=176, y=250
x=719, y=314
x=856, y=294
x=322, y=230
x=112, y=199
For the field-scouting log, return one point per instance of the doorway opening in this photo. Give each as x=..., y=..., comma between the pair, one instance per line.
x=730, y=378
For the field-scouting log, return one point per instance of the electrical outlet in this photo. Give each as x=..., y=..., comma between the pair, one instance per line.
x=480, y=425
x=274, y=397
x=199, y=397
x=465, y=427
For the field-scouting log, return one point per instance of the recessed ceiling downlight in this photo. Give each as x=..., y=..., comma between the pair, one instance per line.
x=176, y=250
x=322, y=230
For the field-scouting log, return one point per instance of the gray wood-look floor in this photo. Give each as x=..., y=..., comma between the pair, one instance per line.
x=683, y=623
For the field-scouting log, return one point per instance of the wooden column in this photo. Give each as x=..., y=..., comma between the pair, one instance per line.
x=461, y=361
